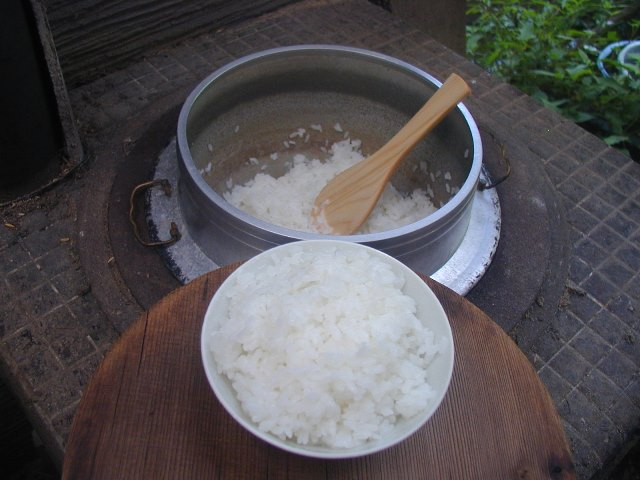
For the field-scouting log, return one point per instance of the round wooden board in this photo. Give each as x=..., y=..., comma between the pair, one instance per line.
x=149, y=412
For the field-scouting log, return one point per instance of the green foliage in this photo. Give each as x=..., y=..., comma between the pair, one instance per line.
x=549, y=49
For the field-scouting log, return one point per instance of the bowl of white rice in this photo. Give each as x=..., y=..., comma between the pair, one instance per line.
x=327, y=348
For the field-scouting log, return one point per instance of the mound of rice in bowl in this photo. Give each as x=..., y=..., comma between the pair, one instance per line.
x=324, y=348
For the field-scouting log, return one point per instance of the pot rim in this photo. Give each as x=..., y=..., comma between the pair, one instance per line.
x=441, y=215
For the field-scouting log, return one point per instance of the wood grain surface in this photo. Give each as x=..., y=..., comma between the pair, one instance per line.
x=96, y=36
x=149, y=412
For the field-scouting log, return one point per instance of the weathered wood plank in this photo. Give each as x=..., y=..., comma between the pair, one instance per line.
x=95, y=36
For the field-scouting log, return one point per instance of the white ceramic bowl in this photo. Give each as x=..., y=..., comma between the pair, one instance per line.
x=429, y=311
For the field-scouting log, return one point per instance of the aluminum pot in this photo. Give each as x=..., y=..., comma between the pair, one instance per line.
x=232, y=123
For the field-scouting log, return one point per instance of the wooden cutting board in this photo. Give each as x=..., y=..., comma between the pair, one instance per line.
x=149, y=412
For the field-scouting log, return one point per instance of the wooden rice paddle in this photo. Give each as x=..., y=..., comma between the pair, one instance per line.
x=346, y=201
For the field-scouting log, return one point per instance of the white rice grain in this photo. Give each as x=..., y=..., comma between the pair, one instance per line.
x=270, y=199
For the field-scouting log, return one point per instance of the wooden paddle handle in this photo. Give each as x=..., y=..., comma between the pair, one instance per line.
x=443, y=101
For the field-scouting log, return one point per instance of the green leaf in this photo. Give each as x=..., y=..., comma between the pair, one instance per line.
x=613, y=139
x=492, y=57
x=581, y=117
x=527, y=32
x=578, y=71
x=584, y=57
x=546, y=73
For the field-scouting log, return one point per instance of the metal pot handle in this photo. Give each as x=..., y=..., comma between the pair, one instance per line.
x=482, y=185
x=173, y=231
